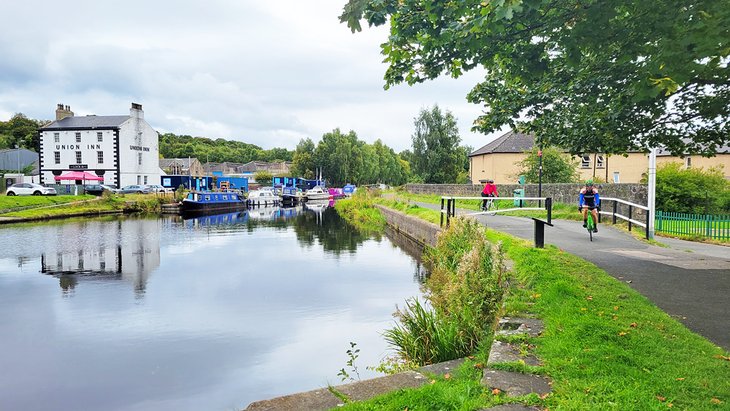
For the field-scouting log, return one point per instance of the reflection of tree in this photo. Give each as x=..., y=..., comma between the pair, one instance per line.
x=329, y=229
x=411, y=247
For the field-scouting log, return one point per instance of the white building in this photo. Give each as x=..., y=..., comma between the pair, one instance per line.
x=122, y=149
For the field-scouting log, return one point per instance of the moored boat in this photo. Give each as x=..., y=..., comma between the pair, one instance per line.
x=212, y=201
x=263, y=196
x=317, y=193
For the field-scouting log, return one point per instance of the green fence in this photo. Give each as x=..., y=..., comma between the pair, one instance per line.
x=696, y=225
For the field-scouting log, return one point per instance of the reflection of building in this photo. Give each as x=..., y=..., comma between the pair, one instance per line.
x=125, y=250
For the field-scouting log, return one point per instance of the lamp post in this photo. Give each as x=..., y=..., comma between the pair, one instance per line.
x=17, y=151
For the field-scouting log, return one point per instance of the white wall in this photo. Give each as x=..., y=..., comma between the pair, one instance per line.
x=137, y=137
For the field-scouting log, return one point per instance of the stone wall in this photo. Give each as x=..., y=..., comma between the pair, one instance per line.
x=561, y=193
x=415, y=228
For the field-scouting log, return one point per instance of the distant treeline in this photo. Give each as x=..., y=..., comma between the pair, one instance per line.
x=218, y=150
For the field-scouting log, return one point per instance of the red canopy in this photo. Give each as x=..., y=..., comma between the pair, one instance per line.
x=78, y=175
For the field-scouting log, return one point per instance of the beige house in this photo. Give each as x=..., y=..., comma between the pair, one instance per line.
x=182, y=167
x=499, y=160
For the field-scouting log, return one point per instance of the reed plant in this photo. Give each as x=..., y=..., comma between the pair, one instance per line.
x=464, y=291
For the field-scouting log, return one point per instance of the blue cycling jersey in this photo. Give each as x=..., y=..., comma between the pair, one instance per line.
x=589, y=198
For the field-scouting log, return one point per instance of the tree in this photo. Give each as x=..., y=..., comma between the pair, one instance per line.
x=587, y=75
x=303, y=159
x=263, y=177
x=557, y=167
x=436, y=147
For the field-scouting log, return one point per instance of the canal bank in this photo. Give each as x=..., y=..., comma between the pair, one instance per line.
x=604, y=346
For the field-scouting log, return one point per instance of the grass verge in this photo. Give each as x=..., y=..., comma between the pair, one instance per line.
x=81, y=205
x=605, y=346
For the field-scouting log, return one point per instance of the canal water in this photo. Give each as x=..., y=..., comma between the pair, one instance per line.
x=201, y=314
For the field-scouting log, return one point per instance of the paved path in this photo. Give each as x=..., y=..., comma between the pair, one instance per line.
x=690, y=281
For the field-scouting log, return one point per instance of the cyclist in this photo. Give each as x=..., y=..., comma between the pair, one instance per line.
x=490, y=190
x=589, y=200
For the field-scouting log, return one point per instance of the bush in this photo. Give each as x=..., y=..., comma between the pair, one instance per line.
x=692, y=190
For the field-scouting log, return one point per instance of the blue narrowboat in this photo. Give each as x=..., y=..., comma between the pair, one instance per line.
x=212, y=201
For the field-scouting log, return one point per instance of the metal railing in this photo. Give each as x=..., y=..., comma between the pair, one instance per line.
x=630, y=217
x=450, y=204
x=716, y=227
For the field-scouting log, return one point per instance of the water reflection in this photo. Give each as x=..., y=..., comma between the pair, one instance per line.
x=127, y=250
x=223, y=309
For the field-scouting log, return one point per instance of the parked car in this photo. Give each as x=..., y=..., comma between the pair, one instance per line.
x=135, y=189
x=156, y=188
x=27, y=189
x=99, y=189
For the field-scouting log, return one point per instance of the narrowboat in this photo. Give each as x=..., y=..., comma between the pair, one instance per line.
x=212, y=201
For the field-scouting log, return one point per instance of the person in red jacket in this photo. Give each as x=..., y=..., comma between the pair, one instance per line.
x=490, y=190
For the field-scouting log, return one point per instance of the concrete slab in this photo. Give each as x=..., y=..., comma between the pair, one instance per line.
x=502, y=352
x=515, y=326
x=315, y=400
x=366, y=389
x=442, y=368
x=514, y=384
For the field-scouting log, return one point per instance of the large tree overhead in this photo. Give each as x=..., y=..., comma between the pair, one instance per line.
x=587, y=75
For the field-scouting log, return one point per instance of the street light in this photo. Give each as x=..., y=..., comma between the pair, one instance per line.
x=17, y=150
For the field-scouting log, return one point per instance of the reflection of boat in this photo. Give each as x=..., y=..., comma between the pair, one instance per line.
x=216, y=219
x=336, y=192
x=273, y=213
x=212, y=201
x=317, y=193
x=263, y=196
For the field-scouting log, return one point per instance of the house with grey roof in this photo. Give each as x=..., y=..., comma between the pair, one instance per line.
x=123, y=149
x=499, y=160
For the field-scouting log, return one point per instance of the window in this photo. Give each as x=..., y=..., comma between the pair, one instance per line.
x=139, y=180
x=100, y=157
x=99, y=137
x=616, y=178
x=139, y=158
x=599, y=162
x=145, y=179
x=585, y=162
x=56, y=138
x=57, y=157
x=78, y=157
x=78, y=137
x=688, y=162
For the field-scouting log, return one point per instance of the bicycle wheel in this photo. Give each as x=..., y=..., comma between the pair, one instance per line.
x=590, y=225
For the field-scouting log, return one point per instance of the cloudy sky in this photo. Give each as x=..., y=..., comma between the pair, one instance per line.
x=263, y=72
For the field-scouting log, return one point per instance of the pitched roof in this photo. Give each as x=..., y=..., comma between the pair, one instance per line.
x=184, y=162
x=663, y=152
x=86, y=122
x=510, y=142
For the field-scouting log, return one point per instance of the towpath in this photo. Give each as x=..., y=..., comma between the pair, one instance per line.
x=688, y=280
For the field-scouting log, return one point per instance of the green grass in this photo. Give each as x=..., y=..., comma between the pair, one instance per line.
x=78, y=205
x=605, y=346
x=14, y=202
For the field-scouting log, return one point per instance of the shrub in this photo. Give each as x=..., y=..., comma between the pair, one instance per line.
x=465, y=290
x=692, y=190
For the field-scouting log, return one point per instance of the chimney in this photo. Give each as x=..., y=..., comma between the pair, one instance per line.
x=136, y=111
x=63, y=112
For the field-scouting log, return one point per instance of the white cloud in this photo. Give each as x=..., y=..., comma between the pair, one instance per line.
x=268, y=73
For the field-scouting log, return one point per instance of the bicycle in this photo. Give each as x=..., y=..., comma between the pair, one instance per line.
x=489, y=205
x=590, y=224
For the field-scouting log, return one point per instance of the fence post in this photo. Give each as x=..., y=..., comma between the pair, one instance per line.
x=630, y=217
x=708, y=225
x=615, y=208
x=442, y=212
x=660, y=224
x=648, y=216
x=549, y=207
x=448, y=212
